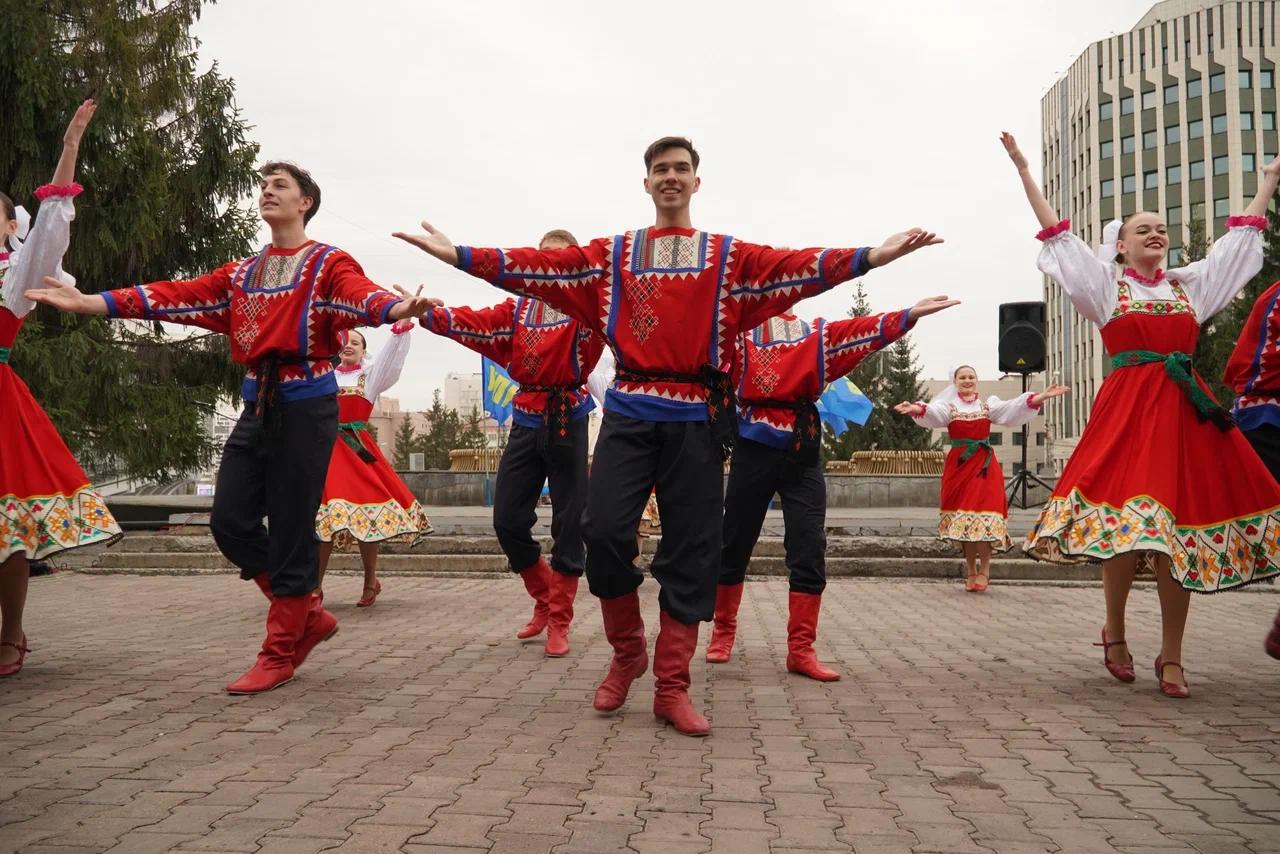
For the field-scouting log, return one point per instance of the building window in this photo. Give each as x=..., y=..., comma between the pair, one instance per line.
x=1197, y=170
x=1126, y=105
x=1150, y=180
x=1171, y=93
x=1246, y=79
x=1269, y=121
x=1150, y=139
x=1266, y=79
x=1197, y=211
x=1126, y=145
x=997, y=438
x=1129, y=184
x=1218, y=82
x=1172, y=134
x=1246, y=121
x=1220, y=124
x=1247, y=163
x=1193, y=88
x=1108, y=188
x=1041, y=437
x=1221, y=165
x=1221, y=208
x=1106, y=149
x=1195, y=129
x=1104, y=111
x=1173, y=217
x=1017, y=441
x=1150, y=99
x=1175, y=256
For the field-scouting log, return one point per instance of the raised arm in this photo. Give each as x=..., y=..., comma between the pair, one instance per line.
x=389, y=361
x=1044, y=212
x=488, y=331
x=769, y=281
x=932, y=414
x=569, y=279
x=1022, y=409
x=845, y=343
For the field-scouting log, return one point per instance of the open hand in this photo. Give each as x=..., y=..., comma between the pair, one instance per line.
x=64, y=297
x=931, y=305
x=902, y=243
x=1015, y=154
x=80, y=121
x=434, y=243
x=912, y=409
x=414, y=304
x=1272, y=169
x=1050, y=393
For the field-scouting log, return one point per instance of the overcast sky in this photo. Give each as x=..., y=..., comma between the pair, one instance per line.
x=819, y=124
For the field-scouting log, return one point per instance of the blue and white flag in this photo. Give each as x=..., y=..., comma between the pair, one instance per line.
x=497, y=390
x=842, y=403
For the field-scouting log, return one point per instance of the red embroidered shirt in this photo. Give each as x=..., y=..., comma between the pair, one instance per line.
x=537, y=345
x=784, y=359
x=668, y=301
x=1254, y=367
x=286, y=303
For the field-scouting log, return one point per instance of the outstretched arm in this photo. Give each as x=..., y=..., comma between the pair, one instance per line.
x=1266, y=189
x=488, y=331
x=388, y=362
x=1022, y=409
x=768, y=281
x=567, y=279
x=926, y=414
x=1043, y=210
x=846, y=343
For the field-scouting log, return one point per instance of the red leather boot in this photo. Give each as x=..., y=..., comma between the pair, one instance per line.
x=537, y=581
x=564, y=590
x=802, y=631
x=725, y=628
x=1273, y=639
x=677, y=642
x=321, y=624
x=286, y=620
x=624, y=628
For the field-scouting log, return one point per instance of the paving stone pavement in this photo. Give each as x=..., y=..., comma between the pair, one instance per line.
x=962, y=724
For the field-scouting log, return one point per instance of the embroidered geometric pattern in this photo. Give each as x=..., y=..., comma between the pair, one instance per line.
x=1203, y=559
x=644, y=320
x=46, y=525
x=1126, y=304
x=963, y=526
x=983, y=413
x=371, y=523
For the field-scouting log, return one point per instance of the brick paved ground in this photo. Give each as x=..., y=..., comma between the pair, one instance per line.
x=964, y=723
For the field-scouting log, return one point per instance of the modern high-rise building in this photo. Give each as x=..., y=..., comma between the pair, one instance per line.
x=1175, y=116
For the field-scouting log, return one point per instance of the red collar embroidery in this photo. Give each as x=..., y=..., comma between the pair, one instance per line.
x=1141, y=279
x=346, y=369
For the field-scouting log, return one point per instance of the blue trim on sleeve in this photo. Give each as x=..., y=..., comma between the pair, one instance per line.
x=464, y=258
x=113, y=310
x=382, y=318
x=861, y=261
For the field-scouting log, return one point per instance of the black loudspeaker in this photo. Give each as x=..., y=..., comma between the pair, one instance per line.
x=1022, y=344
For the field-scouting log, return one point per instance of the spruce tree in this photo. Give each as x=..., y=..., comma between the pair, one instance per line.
x=167, y=166
x=406, y=443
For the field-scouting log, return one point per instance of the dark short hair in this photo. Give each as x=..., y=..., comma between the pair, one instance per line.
x=306, y=183
x=666, y=144
x=559, y=234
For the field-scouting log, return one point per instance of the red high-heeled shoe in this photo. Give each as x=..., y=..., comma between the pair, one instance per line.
x=1124, y=672
x=23, y=649
x=369, y=598
x=1170, y=689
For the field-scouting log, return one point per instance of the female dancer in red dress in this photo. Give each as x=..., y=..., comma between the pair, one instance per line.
x=1146, y=480
x=46, y=502
x=975, y=512
x=364, y=499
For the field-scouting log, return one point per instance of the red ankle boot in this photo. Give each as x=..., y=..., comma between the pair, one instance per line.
x=672, y=653
x=563, y=592
x=624, y=628
x=802, y=631
x=537, y=581
x=725, y=628
x=321, y=625
x=1273, y=638
x=286, y=620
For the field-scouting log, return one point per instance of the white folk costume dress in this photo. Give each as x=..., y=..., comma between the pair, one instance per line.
x=364, y=499
x=1159, y=467
x=973, y=506
x=47, y=504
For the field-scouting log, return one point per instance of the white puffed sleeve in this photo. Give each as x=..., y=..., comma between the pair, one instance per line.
x=386, y=367
x=1213, y=282
x=41, y=254
x=601, y=376
x=936, y=414
x=1012, y=413
x=1089, y=283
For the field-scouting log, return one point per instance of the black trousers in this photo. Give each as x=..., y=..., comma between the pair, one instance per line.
x=681, y=460
x=1266, y=441
x=758, y=471
x=275, y=466
x=521, y=473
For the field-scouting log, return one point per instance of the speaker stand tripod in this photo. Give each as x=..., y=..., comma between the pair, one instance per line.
x=1018, y=483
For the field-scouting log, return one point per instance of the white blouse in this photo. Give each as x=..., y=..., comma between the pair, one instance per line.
x=1210, y=284
x=601, y=376
x=1005, y=413
x=383, y=371
x=40, y=255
